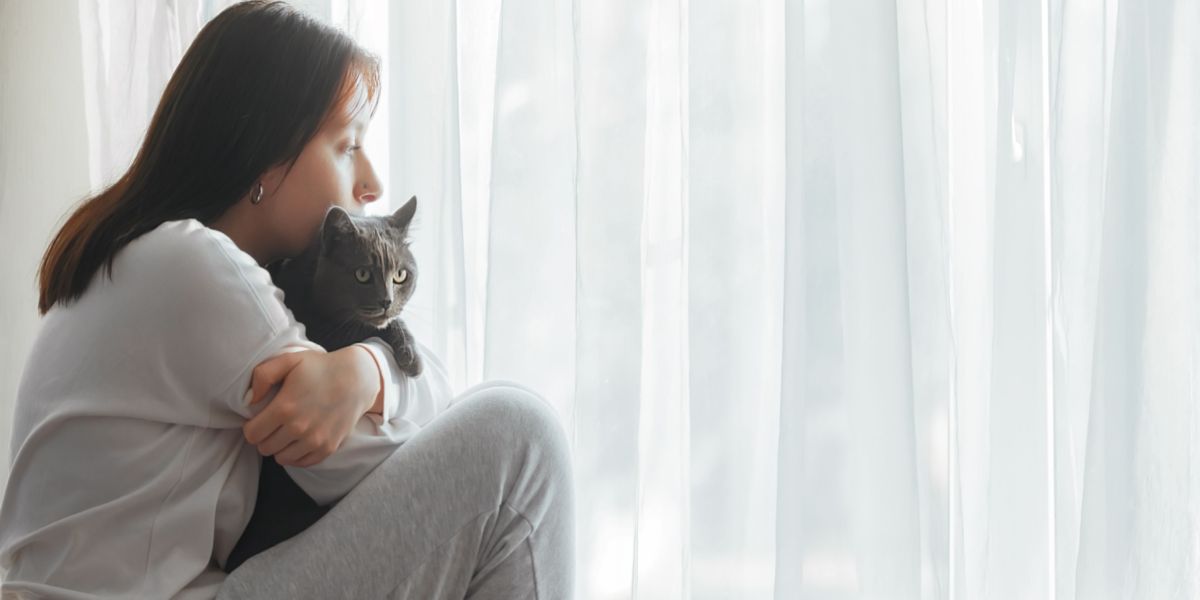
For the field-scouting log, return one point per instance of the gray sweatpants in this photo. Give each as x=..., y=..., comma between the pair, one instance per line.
x=479, y=504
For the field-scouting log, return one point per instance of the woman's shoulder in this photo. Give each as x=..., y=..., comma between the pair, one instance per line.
x=189, y=239
x=185, y=249
x=185, y=262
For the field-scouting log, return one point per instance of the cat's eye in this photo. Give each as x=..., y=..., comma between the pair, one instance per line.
x=400, y=277
x=362, y=275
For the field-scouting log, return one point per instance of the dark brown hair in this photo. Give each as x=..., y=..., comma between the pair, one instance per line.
x=257, y=83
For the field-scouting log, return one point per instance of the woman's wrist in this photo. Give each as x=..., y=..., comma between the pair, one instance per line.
x=377, y=370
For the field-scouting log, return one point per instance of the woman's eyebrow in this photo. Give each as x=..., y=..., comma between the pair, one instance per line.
x=347, y=121
x=357, y=124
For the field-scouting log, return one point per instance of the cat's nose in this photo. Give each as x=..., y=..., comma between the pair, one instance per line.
x=385, y=304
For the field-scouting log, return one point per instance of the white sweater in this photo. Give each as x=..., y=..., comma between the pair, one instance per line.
x=130, y=475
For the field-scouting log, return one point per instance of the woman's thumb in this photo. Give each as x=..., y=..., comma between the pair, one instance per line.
x=270, y=372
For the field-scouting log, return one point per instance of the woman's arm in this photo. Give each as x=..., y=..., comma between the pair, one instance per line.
x=415, y=399
x=215, y=324
x=386, y=401
x=407, y=405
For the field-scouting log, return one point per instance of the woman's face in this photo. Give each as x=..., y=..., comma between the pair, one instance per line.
x=332, y=169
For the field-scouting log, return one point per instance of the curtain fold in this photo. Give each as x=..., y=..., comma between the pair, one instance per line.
x=836, y=298
x=422, y=133
x=129, y=53
x=610, y=111
x=733, y=271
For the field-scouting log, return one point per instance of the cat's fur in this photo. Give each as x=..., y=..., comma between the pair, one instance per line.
x=326, y=293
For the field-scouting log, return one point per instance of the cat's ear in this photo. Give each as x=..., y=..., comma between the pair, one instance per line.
x=336, y=227
x=403, y=215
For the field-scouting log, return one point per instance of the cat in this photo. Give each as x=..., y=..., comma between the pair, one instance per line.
x=352, y=282
x=349, y=284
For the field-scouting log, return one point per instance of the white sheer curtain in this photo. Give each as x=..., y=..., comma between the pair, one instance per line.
x=838, y=298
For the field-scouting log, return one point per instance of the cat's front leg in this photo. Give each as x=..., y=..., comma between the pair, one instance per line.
x=404, y=346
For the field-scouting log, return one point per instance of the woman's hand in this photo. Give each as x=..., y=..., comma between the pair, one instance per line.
x=323, y=396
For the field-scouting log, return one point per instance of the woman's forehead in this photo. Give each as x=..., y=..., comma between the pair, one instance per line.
x=340, y=122
x=351, y=110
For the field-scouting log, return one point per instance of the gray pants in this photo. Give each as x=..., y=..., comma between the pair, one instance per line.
x=479, y=504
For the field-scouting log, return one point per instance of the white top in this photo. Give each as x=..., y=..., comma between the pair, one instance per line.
x=130, y=474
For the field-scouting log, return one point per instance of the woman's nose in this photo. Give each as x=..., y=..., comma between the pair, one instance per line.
x=369, y=187
x=366, y=194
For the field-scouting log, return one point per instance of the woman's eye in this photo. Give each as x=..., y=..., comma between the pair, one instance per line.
x=362, y=275
x=351, y=149
x=400, y=277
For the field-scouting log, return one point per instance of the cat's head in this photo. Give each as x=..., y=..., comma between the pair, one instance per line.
x=365, y=270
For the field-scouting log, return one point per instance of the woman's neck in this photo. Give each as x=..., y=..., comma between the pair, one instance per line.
x=240, y=228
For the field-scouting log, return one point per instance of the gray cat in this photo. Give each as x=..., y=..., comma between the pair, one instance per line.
x=352, y=282
x=348, y=285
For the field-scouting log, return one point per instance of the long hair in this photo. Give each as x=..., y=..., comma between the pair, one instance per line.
x=254, y=87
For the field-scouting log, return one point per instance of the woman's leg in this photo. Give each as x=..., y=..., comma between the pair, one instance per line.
x=478, y=504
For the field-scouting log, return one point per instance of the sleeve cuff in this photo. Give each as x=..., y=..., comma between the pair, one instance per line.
x=392, y=378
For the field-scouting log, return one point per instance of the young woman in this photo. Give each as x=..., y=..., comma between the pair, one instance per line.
x=167, y=366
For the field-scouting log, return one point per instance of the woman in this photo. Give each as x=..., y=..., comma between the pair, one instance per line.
x=167, y=366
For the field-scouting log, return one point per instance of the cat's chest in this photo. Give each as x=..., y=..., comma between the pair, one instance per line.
x=298, y=297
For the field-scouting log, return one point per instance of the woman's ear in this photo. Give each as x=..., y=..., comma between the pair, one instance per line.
x=272, y=178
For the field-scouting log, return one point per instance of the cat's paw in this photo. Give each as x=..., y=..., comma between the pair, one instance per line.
x=410, y=363
x=405, y=347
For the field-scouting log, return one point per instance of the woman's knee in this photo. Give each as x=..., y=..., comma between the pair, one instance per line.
x=521, y=415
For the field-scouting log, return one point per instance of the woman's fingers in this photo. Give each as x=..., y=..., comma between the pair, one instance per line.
x=287, y=437
x=310, y=459
x=294, y=451
x=270, y=372
x=310, y=405
x=269, y=423
x=275, y=442
x=301, y=454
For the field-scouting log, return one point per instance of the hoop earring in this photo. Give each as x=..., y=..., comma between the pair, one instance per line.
x=257, y=196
